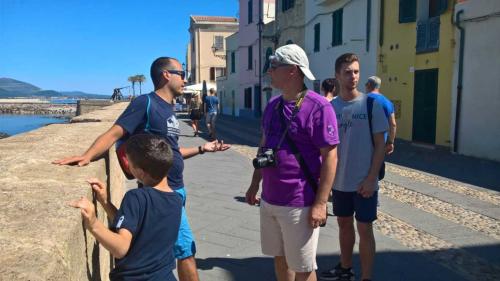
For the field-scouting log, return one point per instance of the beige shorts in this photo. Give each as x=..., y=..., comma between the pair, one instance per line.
x=286, y=231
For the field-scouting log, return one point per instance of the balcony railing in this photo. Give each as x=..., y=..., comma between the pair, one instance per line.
x=428, y=35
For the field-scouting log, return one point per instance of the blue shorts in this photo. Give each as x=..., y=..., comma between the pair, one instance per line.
x=184, y=246
x=345, y=204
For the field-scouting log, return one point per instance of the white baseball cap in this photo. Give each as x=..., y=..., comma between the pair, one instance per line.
x=294, y=55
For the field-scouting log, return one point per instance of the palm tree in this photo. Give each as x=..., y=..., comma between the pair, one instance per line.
x=132, y=79
x=140, y=78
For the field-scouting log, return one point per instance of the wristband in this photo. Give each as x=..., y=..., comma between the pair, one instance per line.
x=200, y=150
x=389, y=142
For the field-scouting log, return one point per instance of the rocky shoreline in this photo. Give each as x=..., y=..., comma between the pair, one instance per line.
x=3, y=135
x=64, y=110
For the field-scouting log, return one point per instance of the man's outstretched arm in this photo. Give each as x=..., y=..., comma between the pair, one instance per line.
x=214, y=146
x=100, y=145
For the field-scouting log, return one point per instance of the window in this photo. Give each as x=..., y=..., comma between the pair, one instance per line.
x=407, y=11
x=216, y=72
x=428, y=24
x=212, y=73
x=233, y=62
x=250, y=11
x=337, y=27
x=428, y=35
x=437, y=7
x=219, y=43
x=192, y=44
x=250, y=57
x=287, y=5
x=220, y=71
x=248, y=97
x=316, y=37
x=269, y=52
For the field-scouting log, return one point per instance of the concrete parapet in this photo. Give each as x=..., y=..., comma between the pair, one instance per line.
x=86, y=106
x=41, y=237
x=102, y=114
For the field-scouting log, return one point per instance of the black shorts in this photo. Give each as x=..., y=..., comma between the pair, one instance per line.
x=346, y=204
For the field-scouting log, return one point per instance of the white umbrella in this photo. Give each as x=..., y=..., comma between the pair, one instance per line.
x=198, y=87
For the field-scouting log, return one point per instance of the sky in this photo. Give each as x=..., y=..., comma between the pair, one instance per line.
x=95, y=45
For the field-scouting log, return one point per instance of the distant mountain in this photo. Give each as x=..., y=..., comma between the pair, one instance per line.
x=15, y=86
x=10, y=88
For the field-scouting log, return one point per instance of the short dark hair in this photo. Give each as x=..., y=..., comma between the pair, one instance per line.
x=345, y=58
x=150, y=153
x=157, y=67
x=329, y=84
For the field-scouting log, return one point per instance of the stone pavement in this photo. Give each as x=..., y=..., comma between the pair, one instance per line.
x=429, y=227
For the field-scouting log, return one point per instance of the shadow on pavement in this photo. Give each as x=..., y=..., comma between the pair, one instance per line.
x=389, y=265
x=435, y=160
x=440, y=161
x=240, y=199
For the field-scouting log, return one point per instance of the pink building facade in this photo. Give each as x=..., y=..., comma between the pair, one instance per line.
x=250, y=98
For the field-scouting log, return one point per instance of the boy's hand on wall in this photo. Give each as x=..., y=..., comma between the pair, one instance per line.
x=87, y=210
x=100, y=190
x=73, y=160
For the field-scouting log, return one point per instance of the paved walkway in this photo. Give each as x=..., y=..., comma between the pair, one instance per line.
x=429, y=227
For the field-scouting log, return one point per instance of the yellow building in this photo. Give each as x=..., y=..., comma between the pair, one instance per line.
x=206, y=58
x=415, y=62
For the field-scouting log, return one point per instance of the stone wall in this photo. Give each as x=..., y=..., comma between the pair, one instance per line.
x=41, y=237
x=86, y=106
x=38, y=109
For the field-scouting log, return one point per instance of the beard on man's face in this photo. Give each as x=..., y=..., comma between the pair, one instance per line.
x=176, y=90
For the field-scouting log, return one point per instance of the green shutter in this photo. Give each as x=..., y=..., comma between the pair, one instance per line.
x=337, y=27
x=250, y=11
x=443, y=6
x=316, y=37
x=407, y=11
x=233, y=62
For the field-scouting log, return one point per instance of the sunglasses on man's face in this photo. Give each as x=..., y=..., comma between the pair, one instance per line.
x=181, y=73
x=274, y=66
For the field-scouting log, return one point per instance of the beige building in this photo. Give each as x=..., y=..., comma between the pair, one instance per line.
x=290, y=22
x=206, y=54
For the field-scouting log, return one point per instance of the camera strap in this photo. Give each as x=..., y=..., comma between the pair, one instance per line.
x=295, y=150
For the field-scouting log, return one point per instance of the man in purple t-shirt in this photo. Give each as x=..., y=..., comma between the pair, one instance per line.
x=299, y=126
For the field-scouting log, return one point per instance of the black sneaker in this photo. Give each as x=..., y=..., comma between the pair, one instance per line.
x=338, y=274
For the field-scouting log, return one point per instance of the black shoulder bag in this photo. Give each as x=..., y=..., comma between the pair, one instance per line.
x=295, y=150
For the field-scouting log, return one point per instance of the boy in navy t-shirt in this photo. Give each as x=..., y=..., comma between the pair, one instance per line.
x=145, y=228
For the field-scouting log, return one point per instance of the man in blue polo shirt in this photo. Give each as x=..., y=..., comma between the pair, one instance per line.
x=372, y=87
x=154, y=114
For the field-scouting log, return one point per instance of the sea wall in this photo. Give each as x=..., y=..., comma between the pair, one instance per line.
x=38, y=109
x=86, y=106
x=41, y=237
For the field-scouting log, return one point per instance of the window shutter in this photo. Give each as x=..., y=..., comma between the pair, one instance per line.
x=212, y=73
x=407, y=11
x=316, y=37
x=250, y=57
x=433, y=43
x=443, y=6
x=337, y=27
x=421, y=36
x=250, y=11
x=233, y=62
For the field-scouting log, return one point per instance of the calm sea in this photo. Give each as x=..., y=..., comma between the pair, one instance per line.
x=16, y=124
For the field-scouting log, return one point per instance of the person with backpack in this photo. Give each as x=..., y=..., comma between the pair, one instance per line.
x=153, y=113
x=361, y=126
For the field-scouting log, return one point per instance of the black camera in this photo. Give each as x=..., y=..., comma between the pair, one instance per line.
x=265, y=159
